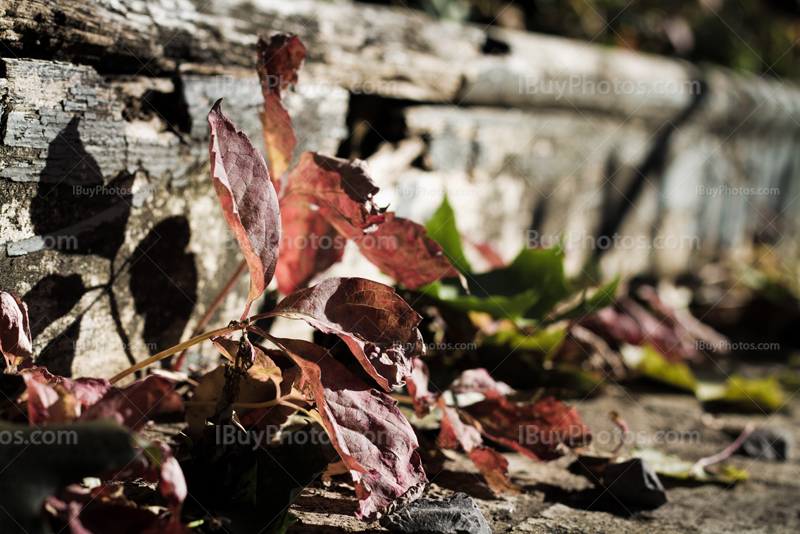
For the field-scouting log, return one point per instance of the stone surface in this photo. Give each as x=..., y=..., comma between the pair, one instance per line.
x=457, y=514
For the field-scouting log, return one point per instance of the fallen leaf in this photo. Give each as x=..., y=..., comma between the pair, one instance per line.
x=536, y=430
x=492, y=465
x=478, y=380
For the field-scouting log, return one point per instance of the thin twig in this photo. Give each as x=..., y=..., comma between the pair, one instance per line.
x=733, y=447
x=169, y=352
x=176, y=366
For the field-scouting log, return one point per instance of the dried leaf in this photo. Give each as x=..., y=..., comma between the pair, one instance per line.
x=15, y=333
x=535, y=430
x=248, y=199
x=492, y=465
x=256, y=386
x=367, y=429
x=279, y=61
x=377, y=325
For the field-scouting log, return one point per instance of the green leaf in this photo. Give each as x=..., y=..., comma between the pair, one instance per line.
x=650, y=363
x=529, y=287
x=672, y=466
x=604, y=296
x=442, y=229
x=761, y=394
x=545, y=340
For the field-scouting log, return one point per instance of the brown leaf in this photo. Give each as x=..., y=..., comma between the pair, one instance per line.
x=248, y=199
x=367, y=429
x=15, y=333
x=279, y=61
x=492, y=465
x=377, y=325
x=536, y=430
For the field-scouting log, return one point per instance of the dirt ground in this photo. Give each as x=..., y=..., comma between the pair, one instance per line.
x=556, y=501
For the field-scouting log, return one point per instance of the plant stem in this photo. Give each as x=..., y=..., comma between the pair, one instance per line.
x=176, y=366
x=733, y=447
x=169, y=352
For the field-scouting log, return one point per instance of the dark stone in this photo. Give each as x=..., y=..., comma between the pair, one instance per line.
x=457, y=514
x=634, y=483
x=771, y=444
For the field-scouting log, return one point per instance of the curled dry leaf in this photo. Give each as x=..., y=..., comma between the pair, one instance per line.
x=378, y=326
x=375, y=440
x=279, y=61
x=248, y=199
x=492, y=465
x=536, y=430
x=134, y=405
x=15, y=333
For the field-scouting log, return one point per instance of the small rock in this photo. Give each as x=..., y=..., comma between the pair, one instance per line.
x=457, y=514
x=635, y=483
x=771, y=444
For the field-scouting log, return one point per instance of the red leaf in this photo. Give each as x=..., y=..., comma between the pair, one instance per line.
x=309, y=244
x=15, y=333
x=55, y=399
x=248, y=199
x=336, y=187
x=379, y=327
x=369, y=432
x=279, y=62
x=337, y=192
x=133, y=405
x=492, y=465
x=536, y=430
x=401, y=249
